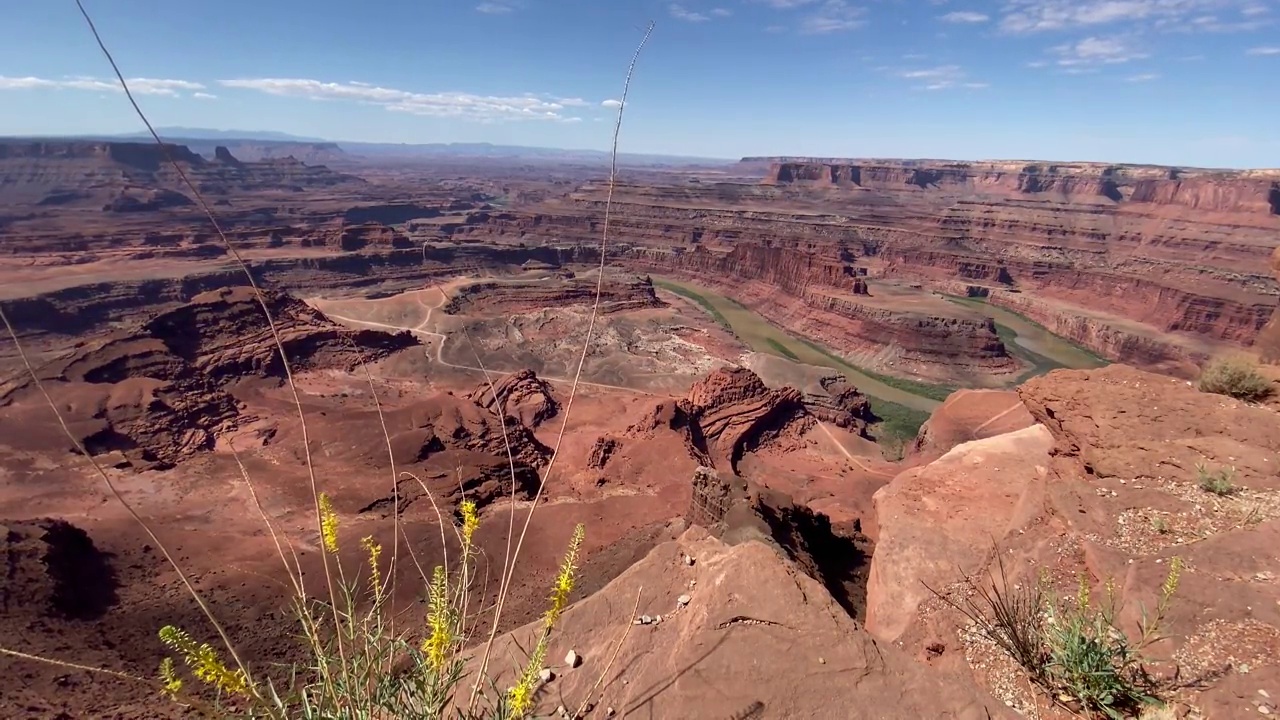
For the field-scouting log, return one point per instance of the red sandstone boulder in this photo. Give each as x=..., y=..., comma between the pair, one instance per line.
x=743, y=633
x=943, y=516
x=1115, y=498
x=969, y=415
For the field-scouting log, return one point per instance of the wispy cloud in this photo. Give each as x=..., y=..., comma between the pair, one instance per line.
x=787, y=4
x=611, y=103
x=680, y=12
x=204, y=96
x=1263, y=51
x=1142, y=77
x=942, y=77
x=485, y=108
x=965, y=16
x=1094, y=51
x=833, y=16
x=140, y=86
x=1031, y=16
x=498, y=7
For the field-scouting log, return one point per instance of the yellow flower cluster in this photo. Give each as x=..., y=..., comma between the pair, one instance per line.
x=328, y=524
x=203, y=662
x=374, y=551
x=520, y=697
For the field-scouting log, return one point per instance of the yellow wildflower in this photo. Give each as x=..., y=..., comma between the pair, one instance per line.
x=438, y=645
x=374, y=551
x=1170, y=585
x=171, y=684
x=328, y=524
x=470, y=521
x=520, y=696
x=564, y=579
x=204, y=663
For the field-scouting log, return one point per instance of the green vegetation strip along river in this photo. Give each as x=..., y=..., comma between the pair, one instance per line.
x=902, y=404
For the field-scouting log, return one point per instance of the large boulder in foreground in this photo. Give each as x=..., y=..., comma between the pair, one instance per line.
x=1114, y=497
x=944, y=516
x=755, y=637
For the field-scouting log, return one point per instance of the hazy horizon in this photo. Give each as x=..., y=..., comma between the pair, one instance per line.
x=1133, y=81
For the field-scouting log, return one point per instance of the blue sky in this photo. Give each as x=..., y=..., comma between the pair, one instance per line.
x=1188, y=82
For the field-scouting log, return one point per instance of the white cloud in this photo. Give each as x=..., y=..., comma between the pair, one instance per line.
x=942, y=77
x=611, y=104
x=680, y=12
x=140, y=86
x=1142, y=77
x=721, y=12
x=1030, y=16
x=833, y=16
x=486, y=108
x=787, y=4
x=204, y=96
x=1093, y=51
x=965, y=16
x=1263, y=51
x=496, y=8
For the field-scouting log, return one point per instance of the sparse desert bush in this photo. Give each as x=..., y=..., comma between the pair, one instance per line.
x=1220, y=482
x=1070, y=648
x=1236, y=377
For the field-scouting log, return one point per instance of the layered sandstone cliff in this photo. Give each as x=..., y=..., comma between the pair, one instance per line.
x=1256, y=193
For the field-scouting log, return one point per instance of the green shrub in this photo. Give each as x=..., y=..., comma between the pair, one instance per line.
x=1070, y=649
x=1219, y=482
x=1235, y=377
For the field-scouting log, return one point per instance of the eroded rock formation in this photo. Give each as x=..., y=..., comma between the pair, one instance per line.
x=521, y=394
x=726, y=414
x=161, y=392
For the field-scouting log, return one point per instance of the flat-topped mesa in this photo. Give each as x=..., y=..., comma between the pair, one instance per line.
x=1250, y=192
x=144, y=155
x=617, y=294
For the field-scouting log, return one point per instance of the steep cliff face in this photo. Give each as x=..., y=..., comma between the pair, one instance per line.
x=1088, y=182
x=1268, y=343
x=1108, y=340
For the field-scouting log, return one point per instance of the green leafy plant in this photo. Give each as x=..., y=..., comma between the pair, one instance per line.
x=1075, y=648
x=1220, y=482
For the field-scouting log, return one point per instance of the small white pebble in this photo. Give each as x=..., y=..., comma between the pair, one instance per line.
x=572, y=659
x=547, y=675
x=683, y=600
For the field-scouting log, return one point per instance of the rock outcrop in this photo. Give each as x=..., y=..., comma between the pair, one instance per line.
x=161, y=392
x=521, y=394
x=842, y=405
x=1109, y=484
x=969, y=415
x=725, y=415
x=768, y=635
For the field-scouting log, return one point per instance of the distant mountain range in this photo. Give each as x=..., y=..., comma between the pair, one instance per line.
x=203, y=136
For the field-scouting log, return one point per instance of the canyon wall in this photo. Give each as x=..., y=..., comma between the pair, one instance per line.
x=1247, y=192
